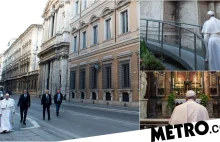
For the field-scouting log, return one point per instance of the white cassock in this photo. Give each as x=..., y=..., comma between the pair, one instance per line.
x=211, y=31
x=0, y=116
x=7, y=110
x=189, y=112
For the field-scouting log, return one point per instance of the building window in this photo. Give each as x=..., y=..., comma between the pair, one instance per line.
x=73, y=80
x=75, y=44
x=85, y=4
x=95, y=34
x=124, y=21
x=124, y=75
x=82, y=80
x=94, y=96
x=108, y=96
x=125, y=97
x=84, y=39
x=77, y=7
x=107, y=76
x=93, y=78
x=107, y=29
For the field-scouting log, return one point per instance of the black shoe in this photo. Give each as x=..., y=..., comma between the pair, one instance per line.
x=43, y=118
x=48, y=118
x=21, y=121
x=24, y=123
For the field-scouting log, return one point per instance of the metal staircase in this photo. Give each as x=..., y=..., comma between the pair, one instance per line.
x=180, y=41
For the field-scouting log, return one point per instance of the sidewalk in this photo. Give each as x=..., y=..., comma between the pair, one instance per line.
x=28, y=132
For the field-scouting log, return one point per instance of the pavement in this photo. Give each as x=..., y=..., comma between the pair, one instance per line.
x=76, y=120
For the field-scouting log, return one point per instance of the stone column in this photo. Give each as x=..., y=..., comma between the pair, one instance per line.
x=42, y=81
x=58, y=21
x=206, y=83
x=64, y=69
x=51, y=76
x=143, y=108
x=56, y=76
x=168, y=81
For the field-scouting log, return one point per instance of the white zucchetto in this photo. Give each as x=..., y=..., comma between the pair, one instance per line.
x=190, y=93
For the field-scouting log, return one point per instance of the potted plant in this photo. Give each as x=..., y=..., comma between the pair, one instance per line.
x=204, y=99
x=171, y=102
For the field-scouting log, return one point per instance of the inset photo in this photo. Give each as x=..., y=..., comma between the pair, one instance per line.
x=180, y=35
x=177, y=97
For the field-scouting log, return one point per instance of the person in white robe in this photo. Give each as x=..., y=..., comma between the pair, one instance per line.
x=1, y=98
x=7, y=110
x=189, y=112
x=211, y=32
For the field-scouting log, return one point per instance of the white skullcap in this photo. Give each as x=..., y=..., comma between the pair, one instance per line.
x=211, y=13
x=7, y=94
x=190, y=93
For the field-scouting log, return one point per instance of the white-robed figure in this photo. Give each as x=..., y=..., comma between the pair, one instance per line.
x=211, y=32
x=1, y=98
x=189, y=112
x=7, y=110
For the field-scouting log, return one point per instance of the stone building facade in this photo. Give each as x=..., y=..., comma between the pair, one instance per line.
x=161, y=84
x=104, y=52
x=20, y=64
x=55, y=47
x=193, y=12
x=1, y=66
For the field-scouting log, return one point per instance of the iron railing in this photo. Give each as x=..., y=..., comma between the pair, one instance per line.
x=183, y=36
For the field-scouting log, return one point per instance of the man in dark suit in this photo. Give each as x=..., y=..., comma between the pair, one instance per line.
x=24, y=103
x=46, y=102
x=58, y=98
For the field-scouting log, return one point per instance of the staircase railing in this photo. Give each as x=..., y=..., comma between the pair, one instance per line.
x=180, y=35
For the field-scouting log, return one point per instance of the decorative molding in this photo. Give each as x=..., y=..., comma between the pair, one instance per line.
x=94, y=19
x=125, y=54
x=122, y=3
x=83, y=25
x=74, y=30
x=106, y=11
x=107, y=58
x=83, y=64
x=94, y=61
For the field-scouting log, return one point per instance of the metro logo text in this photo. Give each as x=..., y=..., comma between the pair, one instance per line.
x=181, y=130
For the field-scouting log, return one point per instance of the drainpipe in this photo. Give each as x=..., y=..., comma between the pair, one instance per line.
x=115, y=20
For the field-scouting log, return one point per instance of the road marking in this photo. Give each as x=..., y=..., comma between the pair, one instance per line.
x=28, y=128
x=51, y=127
x=33, y=122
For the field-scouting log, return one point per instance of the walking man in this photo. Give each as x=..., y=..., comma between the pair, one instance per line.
x=211, y=31
x=189, y=112
x=46, y=102
x=58, y=98
x=24, y=103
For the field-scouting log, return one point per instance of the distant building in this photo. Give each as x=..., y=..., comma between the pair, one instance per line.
x=1, y=66
x=20, y=63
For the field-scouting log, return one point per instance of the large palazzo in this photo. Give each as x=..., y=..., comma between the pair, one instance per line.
x=55, y=47
x=20, y=62
x=161, y=84
x=104, y=53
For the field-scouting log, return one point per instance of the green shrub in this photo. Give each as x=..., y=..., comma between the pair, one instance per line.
x=171, y=102
x=204, y=99
x=149, y=61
